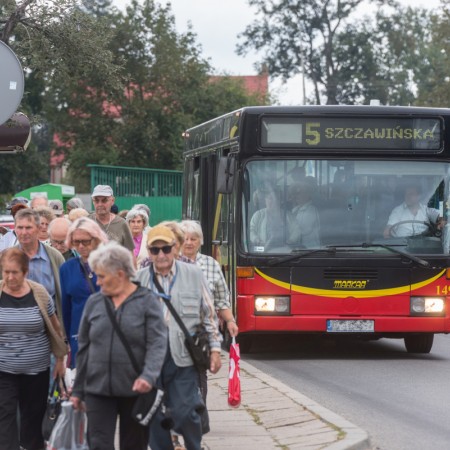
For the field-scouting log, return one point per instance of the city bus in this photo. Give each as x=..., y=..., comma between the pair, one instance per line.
x=328, y=220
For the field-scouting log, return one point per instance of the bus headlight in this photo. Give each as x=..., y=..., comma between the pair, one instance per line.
x=424, y=306
x=272, y=305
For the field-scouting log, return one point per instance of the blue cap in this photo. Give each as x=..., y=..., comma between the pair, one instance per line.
x=17, y=201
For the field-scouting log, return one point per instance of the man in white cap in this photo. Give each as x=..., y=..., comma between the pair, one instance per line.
x=57, y=207
x=114, y=226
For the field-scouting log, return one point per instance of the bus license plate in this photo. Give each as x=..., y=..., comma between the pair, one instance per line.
x=350, y=326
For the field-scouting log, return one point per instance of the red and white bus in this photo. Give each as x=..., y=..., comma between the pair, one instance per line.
x=327, y=219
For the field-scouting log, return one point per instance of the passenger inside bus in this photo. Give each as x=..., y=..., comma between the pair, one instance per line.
x=271, y=225
x=306, y=233
x=412, y=218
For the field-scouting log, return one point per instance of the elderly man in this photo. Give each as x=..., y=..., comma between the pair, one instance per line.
x=114, y=226
x=9, y=239
x=39, y=200
x=57, y=233
x=186, y=287
x=44, y=260
x=412, y=217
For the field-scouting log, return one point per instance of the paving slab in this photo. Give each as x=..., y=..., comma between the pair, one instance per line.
x=273, y=416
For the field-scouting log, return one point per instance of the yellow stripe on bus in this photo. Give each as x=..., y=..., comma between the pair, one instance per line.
x=217, y=216
x=349, y=293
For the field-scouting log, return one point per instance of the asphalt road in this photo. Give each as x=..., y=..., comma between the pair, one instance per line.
x=402, y=400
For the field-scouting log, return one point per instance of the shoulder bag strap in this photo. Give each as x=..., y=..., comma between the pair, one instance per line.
x=172, y=309
x=86, y=275
x=121, y=336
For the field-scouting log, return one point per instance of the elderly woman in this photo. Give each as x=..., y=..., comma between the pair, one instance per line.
x=29, y=332
x=77, y=278
x=74, y=203
x=193, y=240
x=106, y=380
x=46, y=215
x=137, y=220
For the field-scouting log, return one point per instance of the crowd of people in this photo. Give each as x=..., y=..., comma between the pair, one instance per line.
x=68, y=279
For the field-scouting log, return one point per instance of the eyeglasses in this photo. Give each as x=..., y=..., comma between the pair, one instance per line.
x=100, y=199
x=85, y=242
x=166, y=249
x=55, y=242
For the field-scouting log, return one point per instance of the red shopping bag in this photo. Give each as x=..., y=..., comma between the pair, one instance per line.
x=234, y=380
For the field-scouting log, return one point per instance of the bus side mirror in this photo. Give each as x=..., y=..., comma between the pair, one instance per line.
x=225, y=175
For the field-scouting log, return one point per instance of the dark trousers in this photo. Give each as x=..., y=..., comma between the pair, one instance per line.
x=102, y=414
x=183, y=401
x=29, y=393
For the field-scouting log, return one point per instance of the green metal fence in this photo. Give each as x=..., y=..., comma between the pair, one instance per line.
x=161, y=190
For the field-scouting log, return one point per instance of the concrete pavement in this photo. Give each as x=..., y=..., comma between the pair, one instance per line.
x=273, y=416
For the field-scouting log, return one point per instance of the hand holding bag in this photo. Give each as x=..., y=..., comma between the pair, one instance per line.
x=53, y=409
x=69, y=432
x=234, y=379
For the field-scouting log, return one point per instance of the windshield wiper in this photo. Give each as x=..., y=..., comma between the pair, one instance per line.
x=417, y=260
x=298, y=254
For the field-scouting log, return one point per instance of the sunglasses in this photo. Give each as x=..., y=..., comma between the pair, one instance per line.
x=166, y=249
x=85, y=242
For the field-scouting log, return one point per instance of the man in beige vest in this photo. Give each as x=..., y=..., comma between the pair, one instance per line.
x=186, y=288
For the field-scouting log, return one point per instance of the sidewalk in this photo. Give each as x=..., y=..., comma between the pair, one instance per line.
x=273, y=416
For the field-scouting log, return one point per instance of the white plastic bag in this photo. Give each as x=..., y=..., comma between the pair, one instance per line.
x=69, y=432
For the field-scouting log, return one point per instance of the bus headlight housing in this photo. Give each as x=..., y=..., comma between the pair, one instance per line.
x=427, y=306
x=268, y=305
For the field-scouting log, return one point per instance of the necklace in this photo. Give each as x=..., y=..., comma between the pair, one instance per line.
x=105, y=227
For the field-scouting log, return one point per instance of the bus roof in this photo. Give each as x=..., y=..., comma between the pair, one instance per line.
x=226, y=127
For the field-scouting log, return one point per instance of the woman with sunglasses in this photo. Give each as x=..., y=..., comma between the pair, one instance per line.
x=78, y=281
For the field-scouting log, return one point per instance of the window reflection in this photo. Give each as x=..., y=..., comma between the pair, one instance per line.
x=308, y=204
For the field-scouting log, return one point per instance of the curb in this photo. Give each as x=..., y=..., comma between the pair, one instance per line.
x=355, y=438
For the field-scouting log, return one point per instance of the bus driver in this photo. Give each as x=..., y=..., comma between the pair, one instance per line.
x=411, y=217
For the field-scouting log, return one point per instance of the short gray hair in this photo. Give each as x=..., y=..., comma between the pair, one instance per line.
x=192, y=226
x=75, y=202
x=144, y=207
x=29, y=214
x=112, y=257
x=133, y=213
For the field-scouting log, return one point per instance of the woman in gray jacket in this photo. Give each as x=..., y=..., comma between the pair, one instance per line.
x=106, y=381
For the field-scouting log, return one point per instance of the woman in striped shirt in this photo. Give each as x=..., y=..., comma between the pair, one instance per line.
x=29, y=332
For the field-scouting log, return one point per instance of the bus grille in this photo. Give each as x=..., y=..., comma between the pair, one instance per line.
x=350, y=274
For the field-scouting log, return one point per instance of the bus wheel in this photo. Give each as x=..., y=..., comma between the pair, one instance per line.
x=245, y=343
x=419, y=343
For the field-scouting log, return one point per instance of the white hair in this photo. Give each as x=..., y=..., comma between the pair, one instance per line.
x=133, y=213
x=112, y=257
x=193, y=227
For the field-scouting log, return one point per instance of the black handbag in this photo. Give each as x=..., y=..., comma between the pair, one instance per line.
x=149, y=403
x=53, y=408
x=198, y=344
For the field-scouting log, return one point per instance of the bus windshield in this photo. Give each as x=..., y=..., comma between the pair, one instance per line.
x=291, y=205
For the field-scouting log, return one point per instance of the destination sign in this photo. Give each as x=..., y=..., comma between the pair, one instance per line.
x=377, y=133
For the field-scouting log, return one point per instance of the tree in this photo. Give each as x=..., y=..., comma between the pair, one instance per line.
x=167, y=89
x=320, y=38
x=433, y=80
x=57, y=43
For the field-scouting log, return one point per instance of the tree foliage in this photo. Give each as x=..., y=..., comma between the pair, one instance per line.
x=167, y=89
x=57, y=43
x=113, y=87
x=395, y=54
